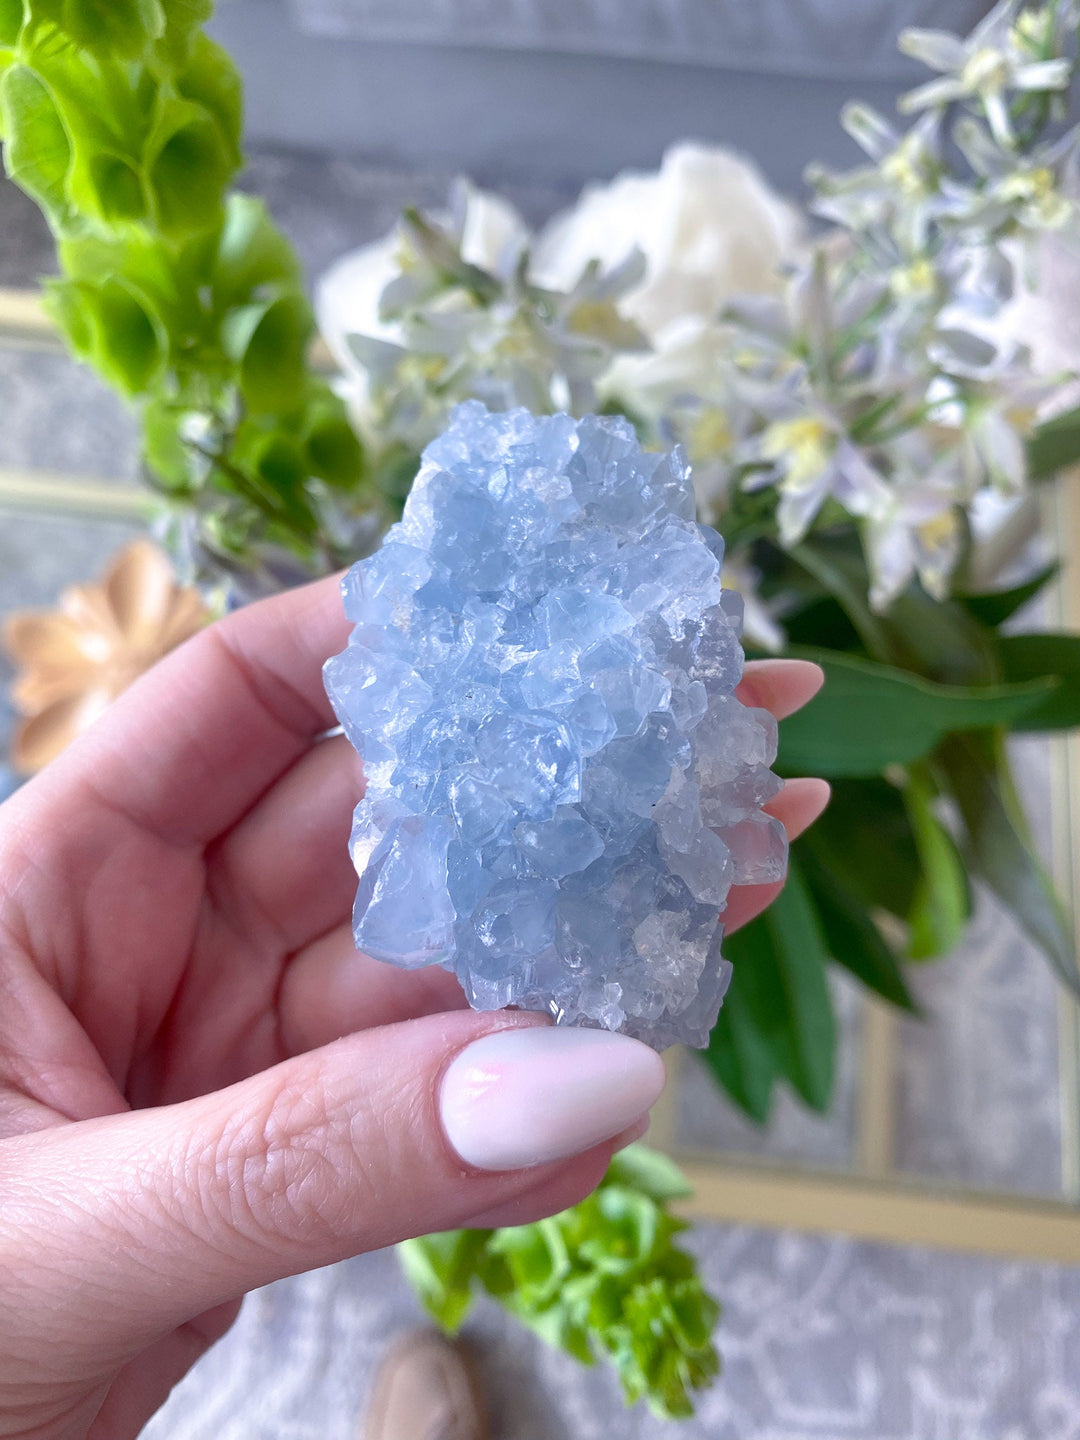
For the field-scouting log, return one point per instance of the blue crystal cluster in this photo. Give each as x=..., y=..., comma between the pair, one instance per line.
x=561, y=784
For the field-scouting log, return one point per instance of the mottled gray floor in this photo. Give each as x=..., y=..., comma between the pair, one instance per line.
x=823, y=1338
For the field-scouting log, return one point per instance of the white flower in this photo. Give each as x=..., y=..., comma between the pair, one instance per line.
x=992, y=446
x=993, y=61
x=707, y=223
x=1002, y=529
x=1043, y=315
x=919, y=532
x=347, y=296
x=812, y=461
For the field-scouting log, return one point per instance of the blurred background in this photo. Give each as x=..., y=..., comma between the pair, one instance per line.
x=355, y=109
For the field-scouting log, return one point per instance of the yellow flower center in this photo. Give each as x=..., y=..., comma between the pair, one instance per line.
x=904, y=169
x=806, y=445
x=1030, y=29
x=986, y=72
x=1038, y=188
x=594, y=317
x=1022, y=418
x=911, y=281
x=420, y=369
x=710, y=435
x=935, y=534
x=1028, y=184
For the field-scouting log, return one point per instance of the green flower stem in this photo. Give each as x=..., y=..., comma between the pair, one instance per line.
x=123, y=122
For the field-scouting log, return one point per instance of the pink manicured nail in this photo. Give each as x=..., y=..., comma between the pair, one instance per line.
x=526, y=1097
x=636, y=1132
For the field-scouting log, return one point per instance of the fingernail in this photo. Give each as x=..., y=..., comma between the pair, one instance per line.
x=814, y=796
x=636, y=1132
x=526, y=1097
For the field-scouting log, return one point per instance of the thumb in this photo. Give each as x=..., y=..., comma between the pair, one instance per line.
x=116, y=1230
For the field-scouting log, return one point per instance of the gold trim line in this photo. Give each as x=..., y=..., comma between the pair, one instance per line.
x=1013, y=1227
x=42, y=492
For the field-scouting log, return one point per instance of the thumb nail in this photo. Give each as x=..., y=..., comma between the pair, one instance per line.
x=526, y=1097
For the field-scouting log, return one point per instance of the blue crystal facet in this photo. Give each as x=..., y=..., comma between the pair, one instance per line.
x=561, y=784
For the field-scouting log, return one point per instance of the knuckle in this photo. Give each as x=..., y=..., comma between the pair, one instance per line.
x=289, y=1170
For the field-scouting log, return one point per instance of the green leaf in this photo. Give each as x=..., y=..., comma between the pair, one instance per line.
x=125, y=27
x=109, y=325
x=841, y=572
x=441, y=1269
x=738, y=1055
x=1050, y=656
x=182, y=21
x=11, y=21
x=280, y=462
x=37, y=152
x=1054, y=446
x=941, y=641
x=393, y=474
x=333, y=451
x=781, y=971
x=274, y=367
x=251, y=255
x=119, y=189
x=602, y=1278
x=163, y=449
x=211, y=80
x=189, y=172
x=867, y=717
x=538, y=1259
x=941, y=906
x=865, y=839
x=650, y=1172
x=822, y=623
x=853, y=940
x=993, y=607
x=998, y=847
x=631, y=1229
x=558, y=1328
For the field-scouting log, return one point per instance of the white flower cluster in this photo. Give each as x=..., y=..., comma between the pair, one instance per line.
x=893, y=383
x=874, y=376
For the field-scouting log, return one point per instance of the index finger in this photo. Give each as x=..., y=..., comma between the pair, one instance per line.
x=189, y=748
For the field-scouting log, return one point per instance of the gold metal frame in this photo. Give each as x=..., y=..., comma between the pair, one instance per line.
x=870, y=1201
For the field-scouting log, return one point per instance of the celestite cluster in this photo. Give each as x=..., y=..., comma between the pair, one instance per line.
x=561, y=784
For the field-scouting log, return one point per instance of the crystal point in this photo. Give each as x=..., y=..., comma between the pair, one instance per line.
x=562, y=784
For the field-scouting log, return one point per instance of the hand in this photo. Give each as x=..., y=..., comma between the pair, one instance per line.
x=203, y=1087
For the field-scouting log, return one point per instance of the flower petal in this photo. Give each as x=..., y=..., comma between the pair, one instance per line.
x=997, y=113
x=860, y=488
x=869, y=129
x=187, y=615
x=797, y=508
x=138, y=586
x=891, y=553
x=936, y=49
x=88, y=606
x=934, y=92
x=1043, y=75
x=42, y=737
x=49, y=638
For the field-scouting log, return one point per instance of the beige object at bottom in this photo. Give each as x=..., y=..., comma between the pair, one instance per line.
x=425, y=1390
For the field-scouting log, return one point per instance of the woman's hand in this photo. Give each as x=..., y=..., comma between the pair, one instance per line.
x=203, y=1087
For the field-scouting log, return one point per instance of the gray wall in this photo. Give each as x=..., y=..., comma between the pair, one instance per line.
x=337, y=74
